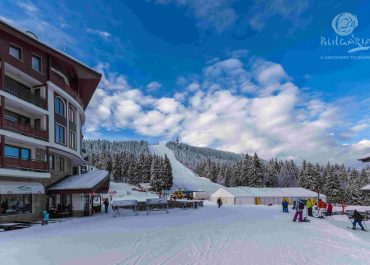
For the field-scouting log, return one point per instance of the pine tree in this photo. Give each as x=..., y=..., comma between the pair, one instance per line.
x=256, y=176
x=353, y=193
x=333, y=189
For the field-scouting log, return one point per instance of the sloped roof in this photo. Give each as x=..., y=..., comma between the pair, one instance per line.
x=366, y=158
x=87, y=181
x=244, y=191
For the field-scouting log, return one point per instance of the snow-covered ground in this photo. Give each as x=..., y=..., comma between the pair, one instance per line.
x=230, y=235
x=124, y=191
x=182, y=176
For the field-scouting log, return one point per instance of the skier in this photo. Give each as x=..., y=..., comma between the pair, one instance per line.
x=294, y=205
x=298, y=211
x=329, y=209
x=357, y=218
x=219, y=202
x=45, y=217
x=322, y=206
x=309, y=207
x=106, y=204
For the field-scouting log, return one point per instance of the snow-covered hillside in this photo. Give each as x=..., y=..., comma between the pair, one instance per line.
x=237, y=235
x=182, y=176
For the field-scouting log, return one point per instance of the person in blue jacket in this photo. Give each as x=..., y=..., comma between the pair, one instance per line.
x=45, y=218
x=285, y=204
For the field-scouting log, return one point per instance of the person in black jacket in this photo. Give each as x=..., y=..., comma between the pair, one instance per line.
x=357, y=219
x=106, y=204
x=219, y=202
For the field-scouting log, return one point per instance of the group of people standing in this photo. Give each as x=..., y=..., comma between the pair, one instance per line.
x=300, y=205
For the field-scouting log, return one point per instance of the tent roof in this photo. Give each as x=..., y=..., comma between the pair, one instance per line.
x=269, y=192
x=89, y=181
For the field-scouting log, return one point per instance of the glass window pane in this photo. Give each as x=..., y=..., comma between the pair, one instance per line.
x=36, y=63
x=15, y=51
x=25, y=154
x=11, y=151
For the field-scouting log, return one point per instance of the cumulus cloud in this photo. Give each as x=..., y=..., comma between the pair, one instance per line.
x=274, y=119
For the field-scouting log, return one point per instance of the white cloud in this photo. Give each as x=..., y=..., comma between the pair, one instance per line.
x=103, y=34
x=214, y=112
x=29, y=7
x=216, y=14
x=153, y=86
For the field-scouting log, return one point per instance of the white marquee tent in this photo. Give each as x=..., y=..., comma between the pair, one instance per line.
x=262, y=196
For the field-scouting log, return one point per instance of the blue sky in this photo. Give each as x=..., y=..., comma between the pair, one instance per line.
x=243, y=76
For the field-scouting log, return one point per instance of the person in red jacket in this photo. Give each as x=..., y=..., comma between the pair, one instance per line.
x=329, y=209
x=322, y=206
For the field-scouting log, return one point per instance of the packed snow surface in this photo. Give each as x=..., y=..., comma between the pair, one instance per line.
x=257, y=235
x=182, y=176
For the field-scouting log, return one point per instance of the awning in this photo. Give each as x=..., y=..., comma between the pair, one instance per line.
x=94, y=181
x=21, y=187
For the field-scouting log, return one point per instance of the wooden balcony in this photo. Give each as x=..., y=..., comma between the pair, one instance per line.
x=17, y=163
x=59, y=81
x=20, y=91
x=24, y=129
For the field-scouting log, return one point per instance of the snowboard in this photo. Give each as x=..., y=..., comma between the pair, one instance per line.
x=357, y=229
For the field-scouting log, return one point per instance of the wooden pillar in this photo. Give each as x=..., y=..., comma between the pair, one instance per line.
x=48, y=68
x=2, y=74
x=2, y=149
x=47, y=158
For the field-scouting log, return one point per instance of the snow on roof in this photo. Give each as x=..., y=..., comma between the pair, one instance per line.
x=268, y=192
x=85, y=181
x=367, y=187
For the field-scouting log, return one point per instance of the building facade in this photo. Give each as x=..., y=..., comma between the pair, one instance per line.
x=43, y=97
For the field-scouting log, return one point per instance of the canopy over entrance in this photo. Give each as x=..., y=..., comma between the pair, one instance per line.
x=21, y=187
x=90, y=182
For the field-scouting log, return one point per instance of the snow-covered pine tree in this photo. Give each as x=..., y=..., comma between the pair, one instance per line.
x=155, y=172
x=333, y=190
x=353, y=192
x=167, y=174
x=270, y=174
x=256, y=176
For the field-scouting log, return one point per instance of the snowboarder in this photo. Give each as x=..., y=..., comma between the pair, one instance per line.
x=284, y=203
x=106, y=204
x=219, y=202
x=322, y=206
x=329, y=209
x=294, y=205
x=298, y=211
x=357, y=219
x=45, y=218
x=309, y=207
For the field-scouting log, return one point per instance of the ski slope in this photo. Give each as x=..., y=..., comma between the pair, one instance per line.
x=236, y=235
x=182, y=176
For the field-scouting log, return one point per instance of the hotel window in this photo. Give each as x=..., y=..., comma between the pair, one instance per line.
x=17, y=152
x=51, y=162
x=61, y=163
x=59, y=106
x=72, y=140
x=59, y=134
x=15, y=51
x=72, y=115
x=36, y=63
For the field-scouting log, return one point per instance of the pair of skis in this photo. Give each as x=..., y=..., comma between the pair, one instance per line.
x=356, y=229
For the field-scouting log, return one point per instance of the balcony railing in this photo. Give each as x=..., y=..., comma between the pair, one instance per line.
x=59, y=81
x=24, y=129
x=16, y=89
x=17, y=163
